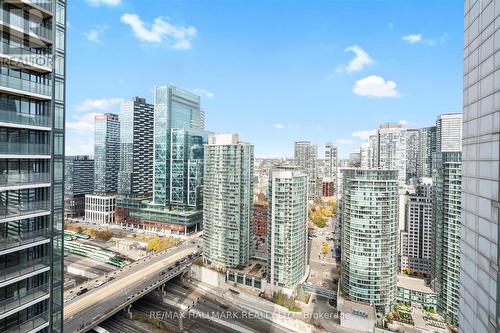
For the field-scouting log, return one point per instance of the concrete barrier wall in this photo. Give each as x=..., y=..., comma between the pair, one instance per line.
x=208, y=276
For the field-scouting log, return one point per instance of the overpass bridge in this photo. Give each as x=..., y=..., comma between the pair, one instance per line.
x=88, y=310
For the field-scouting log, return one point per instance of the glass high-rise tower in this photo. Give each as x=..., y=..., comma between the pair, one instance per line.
x=306, y=157
x=32, y=99
x=179, y=135
x=106, y=153
x=369, y=236
x=287, y=228
x=445, y=281
x=228, y=204
x=479, y=303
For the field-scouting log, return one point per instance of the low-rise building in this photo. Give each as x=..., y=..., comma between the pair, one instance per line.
x=100, y=209
x=328, y=187
x=414, y=291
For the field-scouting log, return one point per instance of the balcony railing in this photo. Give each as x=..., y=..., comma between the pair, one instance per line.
x=13, y=18
x=15, y=148
x=14, y=117
x=23, y=269
x=19, y=179
x=26, y=55
x=25, y=208
x=44, y=4
x=23, y=238
x=31, y=324
x=24, y=85
x=23, y=298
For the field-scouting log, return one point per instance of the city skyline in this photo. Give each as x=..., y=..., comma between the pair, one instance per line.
x=329, y=78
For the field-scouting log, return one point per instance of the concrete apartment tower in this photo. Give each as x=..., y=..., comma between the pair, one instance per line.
x=479, y=268
x=287, y=263
x=32, y=94
x=369, y=236
x=228, y=204
x=135, y=178
x=306, y=157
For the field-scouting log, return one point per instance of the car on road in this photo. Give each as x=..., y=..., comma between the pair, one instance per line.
x=82, y=291
x=98, y=284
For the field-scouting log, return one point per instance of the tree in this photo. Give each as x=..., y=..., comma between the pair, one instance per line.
x=325, y=248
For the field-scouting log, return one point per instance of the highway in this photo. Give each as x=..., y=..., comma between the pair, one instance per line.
x=87, y=310
x=204, y=304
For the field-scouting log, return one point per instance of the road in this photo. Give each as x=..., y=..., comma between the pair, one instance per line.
x=115, y=293
x=196, y=321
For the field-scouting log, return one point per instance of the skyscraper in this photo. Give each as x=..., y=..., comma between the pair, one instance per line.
x=412, y=153
x=32, y=96
x=446, y=230
x=369, y=236
x=392, y=145
x=427, y=149
x=79, y=180
x=179, y=136
x=479, y=269
x=228, y=205
x=331, y=160
x=135, y=178
x=449, y=132
x=419, y=229
x=287, y=233
x=106, y=153
x=306, y=156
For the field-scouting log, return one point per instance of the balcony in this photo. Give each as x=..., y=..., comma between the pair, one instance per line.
x=15, y=148
x=25, y=85
x=26, y=56
x=24, y=268
x=25, y=208
x=44, y=4
x=14, y=18
x=13, y=117
x=20, y=179
x=23, y=298
x=23, y=238
x=31, y=324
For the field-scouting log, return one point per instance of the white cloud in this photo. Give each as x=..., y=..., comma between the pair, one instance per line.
x=94, y=34
x=84, y=123
x=357, y=64
x=279, y=126
x=102, y=104
x=345, y=141
x=110, y=3
x=161, y=31
x=203, y=92
x=404, y=122
x=365, y=134
x=375, y=86
x=412, y=38
x=418, y=38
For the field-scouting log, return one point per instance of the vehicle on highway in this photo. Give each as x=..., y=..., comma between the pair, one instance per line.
x=82, y=291
x=98, y=284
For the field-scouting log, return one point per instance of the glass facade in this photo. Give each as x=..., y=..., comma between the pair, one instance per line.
x=228, y=204
x=369, y=236
x=106, y=153
x=32, y=103
x=446, y=229
x=287, y=230
x=79, y=180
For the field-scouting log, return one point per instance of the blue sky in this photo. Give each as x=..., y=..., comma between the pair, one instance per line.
x=272, y=71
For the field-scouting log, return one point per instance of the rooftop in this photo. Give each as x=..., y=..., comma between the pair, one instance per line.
x=358, y=309
x=414, y=284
